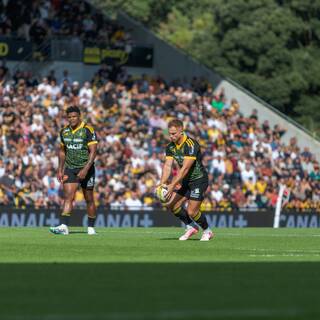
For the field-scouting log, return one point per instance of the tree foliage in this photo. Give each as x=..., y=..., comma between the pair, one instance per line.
x=271, y=47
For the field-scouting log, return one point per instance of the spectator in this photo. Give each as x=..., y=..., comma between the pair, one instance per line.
x=133, y=202
x=248, y=173
x=247, y=159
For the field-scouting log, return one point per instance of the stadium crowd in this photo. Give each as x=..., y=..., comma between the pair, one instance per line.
x=246, y=159
x=37, y=20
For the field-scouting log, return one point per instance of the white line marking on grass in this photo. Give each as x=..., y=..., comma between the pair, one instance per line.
x=304, y=251
x=245, y=235
x=178, y=314
x=282, y=255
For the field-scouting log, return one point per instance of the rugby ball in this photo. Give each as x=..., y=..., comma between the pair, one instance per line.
x=161, y=193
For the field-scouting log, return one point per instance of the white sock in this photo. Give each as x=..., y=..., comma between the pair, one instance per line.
x=192, y=225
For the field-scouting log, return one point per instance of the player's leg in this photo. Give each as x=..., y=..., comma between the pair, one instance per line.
x=91, y=209
x=200, y=218
x=197, y=192
x=87, y=188
x=176, y=207
x=69, y=190
x=195, y=213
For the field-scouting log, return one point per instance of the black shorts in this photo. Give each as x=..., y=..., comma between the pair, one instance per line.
x=194, y=190
x=86, y=183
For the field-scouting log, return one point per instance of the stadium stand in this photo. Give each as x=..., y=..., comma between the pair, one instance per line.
x=246, y=159
x=38, y=20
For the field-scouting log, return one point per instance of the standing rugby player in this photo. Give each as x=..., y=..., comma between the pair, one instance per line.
x=76, y=166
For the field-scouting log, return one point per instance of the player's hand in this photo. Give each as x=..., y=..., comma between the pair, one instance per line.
x=82, y=174
x=60, y=176
x=160, y=185
x=170, y=188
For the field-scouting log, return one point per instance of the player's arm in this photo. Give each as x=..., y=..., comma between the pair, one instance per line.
x=92, y=144
x=92, y=155
x=62, y=158
x=167, y=166
x=166, y=170
x=187, y=164
x=189, y=152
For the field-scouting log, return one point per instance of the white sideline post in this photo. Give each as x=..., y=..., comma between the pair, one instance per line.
x=276, y=220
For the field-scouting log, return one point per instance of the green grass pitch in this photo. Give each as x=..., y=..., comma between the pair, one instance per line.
x=141, y=273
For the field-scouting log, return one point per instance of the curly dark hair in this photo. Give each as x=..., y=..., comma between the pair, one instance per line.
x=73, y=109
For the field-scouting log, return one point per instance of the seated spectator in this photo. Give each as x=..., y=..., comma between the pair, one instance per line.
x=248, y=173
x=246, y=159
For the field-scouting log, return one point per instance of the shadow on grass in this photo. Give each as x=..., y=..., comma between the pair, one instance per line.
x=175, y=239
x=175, y=290
x=77, y=231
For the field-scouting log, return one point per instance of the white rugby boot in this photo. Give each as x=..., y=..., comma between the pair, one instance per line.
x=91, y=231
x=207, y=235
x=62, y=229
x=190, y=231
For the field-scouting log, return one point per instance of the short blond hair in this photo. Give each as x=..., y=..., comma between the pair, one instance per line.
x=175, y=123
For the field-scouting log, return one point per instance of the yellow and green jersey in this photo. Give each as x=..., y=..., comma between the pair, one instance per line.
x=188, y=148
x=76, y=143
